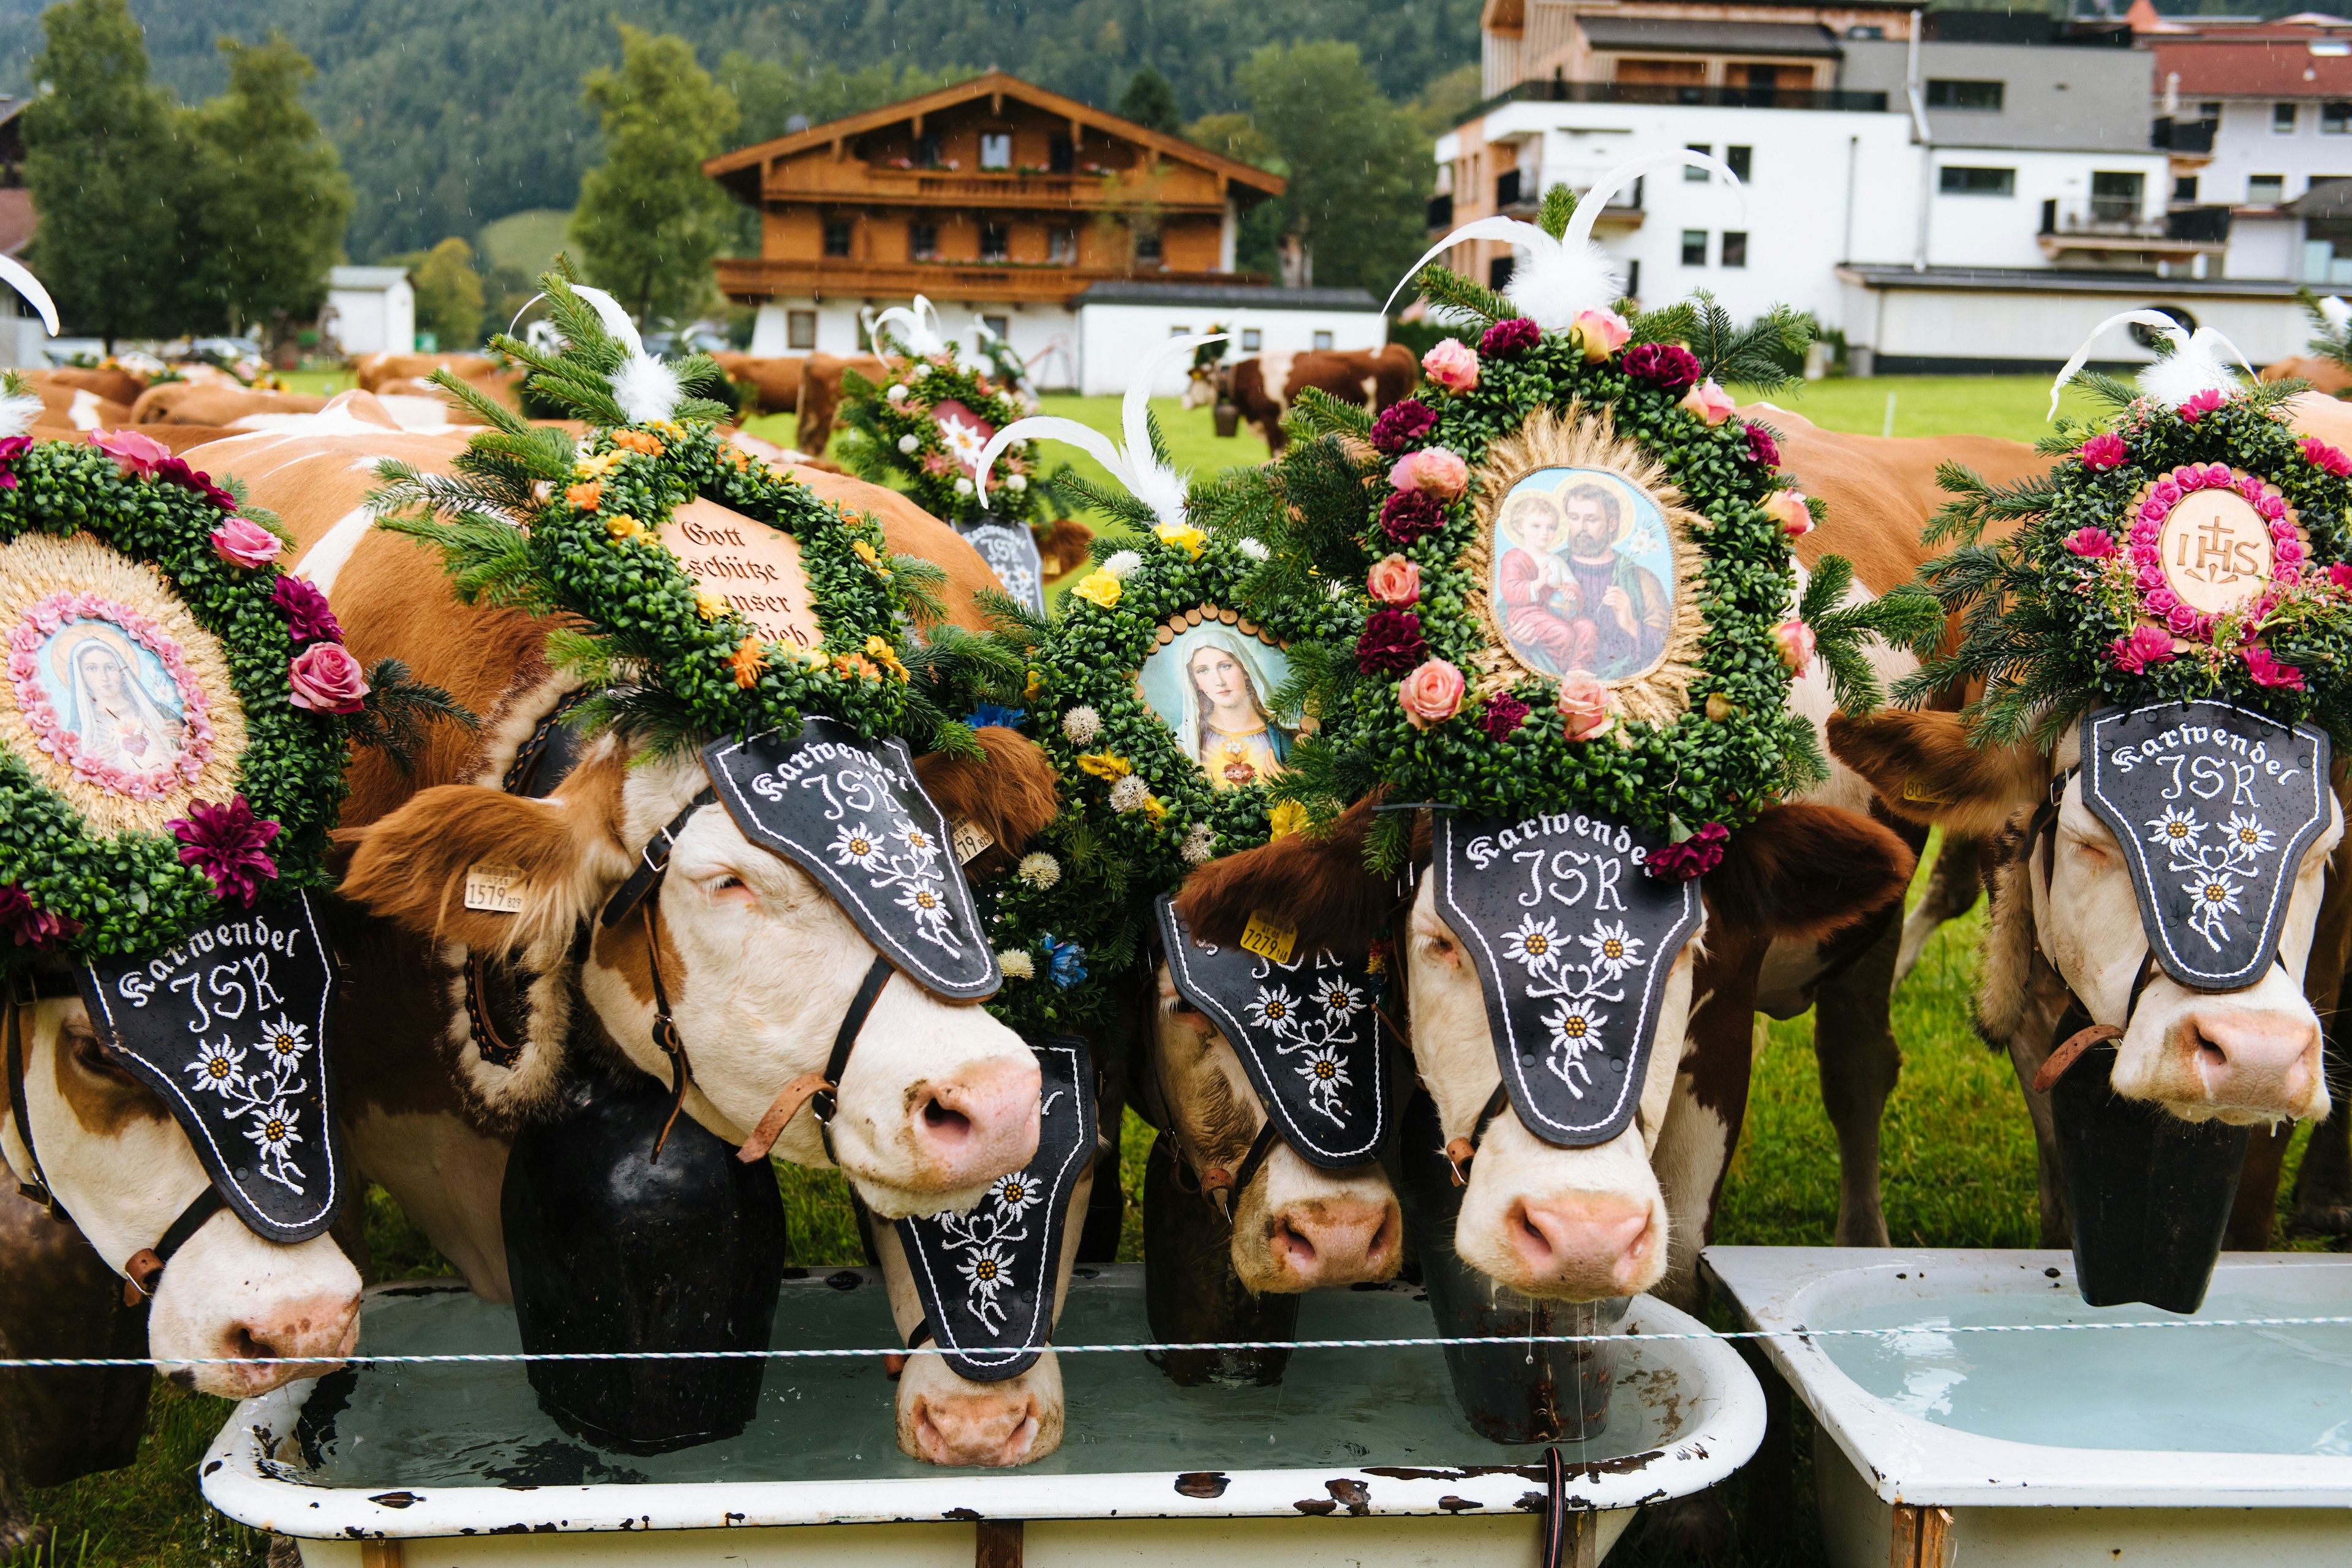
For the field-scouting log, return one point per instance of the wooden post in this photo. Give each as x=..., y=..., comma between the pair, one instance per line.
x=1921, y=1537
x=381, y=1553
x=996, y=1543
x=1582, y=1548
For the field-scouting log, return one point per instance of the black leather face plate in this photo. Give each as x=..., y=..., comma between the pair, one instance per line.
x=1573, y=941
x=1306, y=1033
x=231, y=1029
x=850, y=813
x=2214, y=807
x=1011, y=551
x=986, y=1278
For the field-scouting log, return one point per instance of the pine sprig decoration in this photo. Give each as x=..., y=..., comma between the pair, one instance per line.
x=397, y=709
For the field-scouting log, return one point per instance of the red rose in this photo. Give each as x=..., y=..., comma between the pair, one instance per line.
x=1392, y=643
x=1669, y=367
x=1403, y=424
x=1514, y=336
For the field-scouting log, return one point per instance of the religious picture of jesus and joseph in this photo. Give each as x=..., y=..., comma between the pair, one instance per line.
x=1214, y=686
x=1583, y=574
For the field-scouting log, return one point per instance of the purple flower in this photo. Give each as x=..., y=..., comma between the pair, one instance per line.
x=1515, y=336
x=308, y=618
x=1408, y=515
x=1501, y=716
x=11, y=448
x=1695, y=856
x=29, y=925
x=1671, y=368
x=226, y=842
x=1762, y=451
x=1403, y=424
x=1392, y=643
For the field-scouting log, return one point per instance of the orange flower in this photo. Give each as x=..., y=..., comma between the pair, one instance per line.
x=747, y=659
x=638, y=441
x=586, y=496
x=854, y=666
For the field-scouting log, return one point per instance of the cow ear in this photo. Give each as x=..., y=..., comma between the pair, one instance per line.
x=410, y=866
x=1317, y=885
x=1805, y=872
x=1927, y=770
x=1008, y=793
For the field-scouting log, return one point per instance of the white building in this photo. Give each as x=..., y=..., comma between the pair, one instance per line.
x=369, y=309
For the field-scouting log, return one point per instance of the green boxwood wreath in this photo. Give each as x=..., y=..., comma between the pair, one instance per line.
x=899, y=440
x=128, y=892
x=2054, y=603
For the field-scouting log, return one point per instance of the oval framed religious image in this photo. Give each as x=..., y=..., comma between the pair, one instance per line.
x=2217, y=551
x=1215, y=681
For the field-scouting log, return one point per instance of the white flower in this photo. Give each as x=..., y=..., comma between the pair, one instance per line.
x=1081, y=725
x=285, y=1040
x=1129, y=794
x=217, y=1068
x=986, y=1272
x=1253, y=549
x=272, y=1129
x=1339, y=997
x=1016, y=483
x=1611, y=950
x=897, y=394
x=1017, y=965
x=1275, y=1009
x=1574, y=1027
x=1325, y=1073
x=1040, y=870
x=923, y=901
x=2210, y=896
x=919, y=841
x=857, y=846
x=922, y=369
x=2247, y=836
x=1532, y=941
x=1120, y=564
x=1015, y=1195
x=964, y=440
x=1335, y=592
x=1643, y=540
x=2178, y=827
x=910, y=443
x=1200, y=843
x=963, y=486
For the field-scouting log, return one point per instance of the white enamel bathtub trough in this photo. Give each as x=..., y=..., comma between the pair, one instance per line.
x=1358, y=1457
x=2146, y=1447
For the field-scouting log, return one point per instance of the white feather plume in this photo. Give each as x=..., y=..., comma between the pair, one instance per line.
x=1155, y=484
x=18, y=412
x=647, y=389
x=20, y=277
x=1563, y=278
x=2336, y=313
x=917, y=329
x=2195, y=364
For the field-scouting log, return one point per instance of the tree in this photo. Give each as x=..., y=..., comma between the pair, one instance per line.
x=449, y=296
x=648, y=223
x=769, y=92
x=1150, y=101
x=1358, y=166
x=274, y=197
x=109, y=176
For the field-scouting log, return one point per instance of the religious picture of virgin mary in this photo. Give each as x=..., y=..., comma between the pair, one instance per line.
x=114, y=697
x=1212, y=687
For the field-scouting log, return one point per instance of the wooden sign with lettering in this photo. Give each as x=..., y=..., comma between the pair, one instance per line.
x=2217, y=551
x=758, y=568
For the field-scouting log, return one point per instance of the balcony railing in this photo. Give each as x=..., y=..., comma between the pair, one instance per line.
x=1541, y=91
x=762, y=278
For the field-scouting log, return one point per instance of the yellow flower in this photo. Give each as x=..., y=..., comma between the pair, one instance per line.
x=1102, y=588
x=1035, y=684
x=1103, y=765
x=709, y=603
x=1154, y=809
x=597, y=466
x=1285, y=817
x=747, y=661
x=624, y=528
x=888, y=657
x=1182, y=536
x=586, y=497
x=866, y=553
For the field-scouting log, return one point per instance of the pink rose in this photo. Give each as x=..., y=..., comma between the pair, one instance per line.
x=1786, y=508
x=326, y=678
x=1795, y=641
x=2146, y=556
x=2167, y=495
x=2161, y=601
x=2095, y=543
x=1602, y=332
x=1431, y=694
x=1584, y=705
x=2284, y=530
x=139, y=455
x=2289, y=552
x=2151, y=580
x=2340, y=575
x=2181, y=619
x=1394, y=581
x=2218, y=476
x=1452, y=365
x=2272, y=505
x=2152, y=510
x=2251, y=488
x=2102, y=451
x=1433, y=469
x=2144, y=647
x=243, y=543
x=1708, y=401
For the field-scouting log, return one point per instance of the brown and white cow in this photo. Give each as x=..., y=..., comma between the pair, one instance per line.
x=113, y=385
x=1264, y=385
x=188, y=403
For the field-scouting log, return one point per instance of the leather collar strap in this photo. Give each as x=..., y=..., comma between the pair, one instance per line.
x=665, y=1034
x=1227, y=1186
x=818, y=1091
x=145, y=1270
x=653, y=861
x=1460, y=1151
x=37, y=1189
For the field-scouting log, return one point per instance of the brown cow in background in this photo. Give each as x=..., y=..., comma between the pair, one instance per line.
x=774, y=380
x=820, y=395
x=186, y=403
x=1264, y=385
x=499, y=381
x=2330, y=376
x=116, y=386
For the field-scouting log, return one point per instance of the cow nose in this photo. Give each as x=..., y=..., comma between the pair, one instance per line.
x=307, y=1337
x=2258, y=1060
x=978, y=1124
x=1334, y=1241
x=1584, y=1245
x=992, y=1429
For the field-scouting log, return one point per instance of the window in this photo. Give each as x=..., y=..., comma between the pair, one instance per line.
x=926, y=148
x=1062, y=246
x=1734, y=248
x=922, y=242
x=1499, y=270
x=1691, y=172
x=836, y=237
x=1982, y=95
x=1253, y=339
x=2115, y=197
x=1062, y=155
x=1146, y=246
x=2282, y=119
x=996, y=150
x=2335, y=119
x=1323, y=342
x=2265, y=190
x=1633, y=280
x=800, y=330
x=1001, y=325
x=2212, y=112
x=1506, y=188
x=1693, y=248
x=1865, y=34
x=995, y=241
x=2184, y=189
x=1958, y=180
x=1741, y=158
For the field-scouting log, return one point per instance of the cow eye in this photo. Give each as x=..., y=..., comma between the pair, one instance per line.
x=728, y=888
x=2091, y=851
x=92, y=1057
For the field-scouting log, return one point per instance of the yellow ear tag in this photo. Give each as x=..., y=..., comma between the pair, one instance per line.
x=1270, y=941
x=1914, y=791
x=497, y=888
x=970, y=838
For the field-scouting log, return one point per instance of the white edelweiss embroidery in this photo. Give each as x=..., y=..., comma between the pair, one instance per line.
x=1325, y=1073
x=2245, y=835
x=1575, y=1029
x=986, y=1270
x=925, y=903
x=1276, y=1009
x=1532, y=942
x=2214, y=867
x=273, y=1131
x=859, y=846
x=2177, y=826
x=1015, y=1195
x=1339, y=999
x=1613, y=949
x=218, y=1067
x=285, y=1040
x=2212, y=894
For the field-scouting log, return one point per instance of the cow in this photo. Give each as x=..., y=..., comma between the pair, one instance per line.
x=2330, y=376
x=77, y=408
x=189, y=403
x=111, y=383
x=774, y=380
x=1264, y=386
x=820, y=395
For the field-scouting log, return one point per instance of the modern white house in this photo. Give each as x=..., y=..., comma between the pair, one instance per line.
x=368, y=309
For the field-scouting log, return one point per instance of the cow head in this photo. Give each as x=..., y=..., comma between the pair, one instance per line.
x=2244, y=1055
x=1296, y=1225
x=1573, y=1223
x=760, y=964
x=118, y=1163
